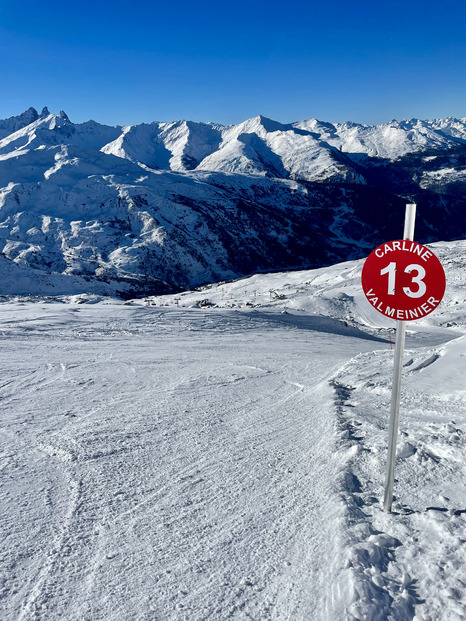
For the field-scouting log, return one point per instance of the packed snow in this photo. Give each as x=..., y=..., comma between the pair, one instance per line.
x=220, y=454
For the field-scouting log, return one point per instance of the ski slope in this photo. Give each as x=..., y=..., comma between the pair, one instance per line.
x=168, y=462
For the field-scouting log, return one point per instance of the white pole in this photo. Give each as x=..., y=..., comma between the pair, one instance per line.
x=410, y=217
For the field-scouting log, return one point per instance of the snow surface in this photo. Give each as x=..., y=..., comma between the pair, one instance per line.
x=221, y=455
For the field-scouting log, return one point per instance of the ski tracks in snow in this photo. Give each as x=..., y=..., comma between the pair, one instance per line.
x=189, y=464
x=49, y=584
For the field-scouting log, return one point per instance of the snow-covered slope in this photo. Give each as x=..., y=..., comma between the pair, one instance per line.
x=176, y=146
x=334, y=292
x=407, y=565
x=227, y=462
x=263, y=146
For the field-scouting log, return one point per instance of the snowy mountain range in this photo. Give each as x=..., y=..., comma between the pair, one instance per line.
x=156, y=207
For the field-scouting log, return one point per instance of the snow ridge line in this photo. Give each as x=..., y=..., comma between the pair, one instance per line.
x=368, y=553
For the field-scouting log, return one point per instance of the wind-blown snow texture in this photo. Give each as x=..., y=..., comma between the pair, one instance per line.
x=154, y=207
x=220, y=454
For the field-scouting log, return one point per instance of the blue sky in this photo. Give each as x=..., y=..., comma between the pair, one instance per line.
x=129, y=62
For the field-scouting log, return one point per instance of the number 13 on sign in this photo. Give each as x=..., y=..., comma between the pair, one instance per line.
x=403, y=280
x=418, y=279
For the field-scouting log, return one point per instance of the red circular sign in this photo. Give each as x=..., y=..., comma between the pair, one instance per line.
x=403, y=280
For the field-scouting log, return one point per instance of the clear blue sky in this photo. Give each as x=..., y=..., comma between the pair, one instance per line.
x=336, y=60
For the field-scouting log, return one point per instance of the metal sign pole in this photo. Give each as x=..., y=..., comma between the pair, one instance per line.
x=410, y=217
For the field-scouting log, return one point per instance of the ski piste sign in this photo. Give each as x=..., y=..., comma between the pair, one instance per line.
x=403, y=280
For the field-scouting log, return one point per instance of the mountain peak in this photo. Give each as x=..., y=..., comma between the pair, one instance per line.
x=270, y=125
x=45, y=112
x=261, y=123
x=28, y=116
x=14, y=123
